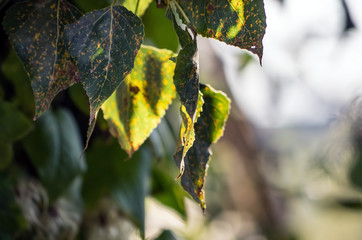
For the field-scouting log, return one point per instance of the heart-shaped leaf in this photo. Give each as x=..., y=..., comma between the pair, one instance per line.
x=105, y=44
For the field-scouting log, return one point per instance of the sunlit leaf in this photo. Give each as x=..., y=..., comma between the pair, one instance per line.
x=186, y=80
x=132, y=6
x=13, y=124
x=54, y=147
x=110, y=172
x=235, y=22
x=104, y=43
x=140, y=102
x=35, y=30
x=209, y=128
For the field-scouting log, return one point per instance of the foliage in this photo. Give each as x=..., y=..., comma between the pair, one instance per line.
x=133, y=84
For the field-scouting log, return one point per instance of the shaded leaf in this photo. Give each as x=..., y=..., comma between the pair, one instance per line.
x=104, y=43
x=6, y=155
x=54, y=148
x=140, y=102
x=156, y=28
x=235, y=22
x=209, y=128
x=11, y=217
x=91, y=5
x=13, y=124
x=35, y=30
x=126, y=181
x=166, y=235
x=14, y=71
x=132, y=6
x=186, y=80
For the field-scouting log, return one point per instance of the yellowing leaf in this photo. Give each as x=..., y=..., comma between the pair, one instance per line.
x=139, y=103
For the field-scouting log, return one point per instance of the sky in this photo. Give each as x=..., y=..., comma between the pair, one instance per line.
x=311, y=68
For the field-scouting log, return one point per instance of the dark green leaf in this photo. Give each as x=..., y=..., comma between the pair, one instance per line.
x=166, y=235
x=13, y=124
x=11, y=218
x=104, y=43
x=209, y=128
x=91, y=5
x=140, y=102
x=235, y=22
x=14, y=71
x=36, y=33
x=6, y=155
x=109, y=172
x=139, y=5
x=54, y=148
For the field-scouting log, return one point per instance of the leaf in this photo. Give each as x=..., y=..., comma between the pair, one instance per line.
x=126, y=181
x=166, y=235
x=54, y=148
x=6, y=155
x=209, y=128
x=104, y=43
x=156, y=28
x=36, y=33
x=11, y=217
x=132, y=6
x=13, y=124
x=140, y=102
x=235, y=22
x=186, y=80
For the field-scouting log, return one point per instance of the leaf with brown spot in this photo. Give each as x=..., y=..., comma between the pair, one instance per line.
x=208, y=129
x=35, y=30
x=186, y=80
x=139, y=103
x=104, y=43
x=236, y=22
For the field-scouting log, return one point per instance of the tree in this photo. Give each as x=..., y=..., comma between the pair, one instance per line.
x=132, y=83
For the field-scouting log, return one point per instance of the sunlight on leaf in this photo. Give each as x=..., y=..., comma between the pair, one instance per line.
x=140, y=102
x=238, y=23
x=132, y=6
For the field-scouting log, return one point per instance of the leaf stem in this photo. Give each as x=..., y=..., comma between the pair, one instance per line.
x=114, y=3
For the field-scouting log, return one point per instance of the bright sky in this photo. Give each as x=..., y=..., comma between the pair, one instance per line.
x=309, y=69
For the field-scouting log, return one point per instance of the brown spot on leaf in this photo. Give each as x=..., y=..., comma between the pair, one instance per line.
x=134, y=89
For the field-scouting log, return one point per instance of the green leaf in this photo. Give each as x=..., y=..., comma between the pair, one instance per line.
x=11, y=217
x=156, y=28
x=139, y=5
x=54, y=148
x=36, y=33
x=166, y=235
x=126, y=180
x=104, y=43
x=14, y=71
x=235, y=22
x=209, y=128
x=6, y=155
x=140, y=102
x=13, y=124
x=186, y=80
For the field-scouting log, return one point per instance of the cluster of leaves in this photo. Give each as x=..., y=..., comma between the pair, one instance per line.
x=131, y=83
